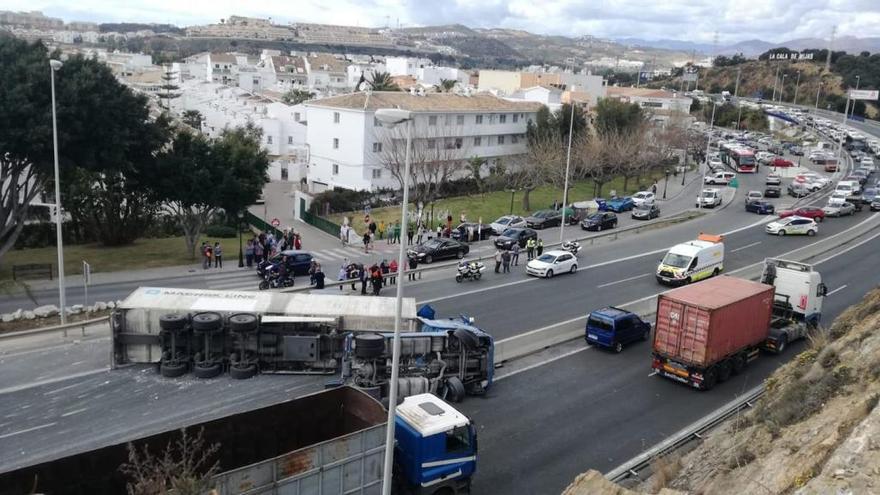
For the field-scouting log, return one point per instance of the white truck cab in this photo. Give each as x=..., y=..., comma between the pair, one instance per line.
x=692, y=261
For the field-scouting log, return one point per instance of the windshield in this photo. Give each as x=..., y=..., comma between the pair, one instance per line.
x=643, y=206
x=543, y=214
x=708, y=194
x=600, y=323
x=510, y=232
x=433, y=243
x=547, y=258
x=676, y=260
x=503, y=220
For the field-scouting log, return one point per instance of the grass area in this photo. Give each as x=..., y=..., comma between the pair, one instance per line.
x=492, y=205
x=144, y=253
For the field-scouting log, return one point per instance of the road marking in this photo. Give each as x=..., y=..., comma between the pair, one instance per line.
x=26, y=430
x=50, y=381
x=653, y=373
x=622, y=281
x=836, y=290
x=76, y=411
x=745, y=247
x=542, y=363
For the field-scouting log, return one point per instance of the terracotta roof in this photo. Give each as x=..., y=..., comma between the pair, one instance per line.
x=281, y=63
x=430, y=102
x=643, y=92
x=222, y=58
x=317, y=61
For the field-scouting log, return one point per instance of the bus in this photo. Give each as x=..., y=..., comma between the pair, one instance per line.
x=742, y=161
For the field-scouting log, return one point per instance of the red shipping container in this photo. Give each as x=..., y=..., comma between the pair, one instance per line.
x=701, y=324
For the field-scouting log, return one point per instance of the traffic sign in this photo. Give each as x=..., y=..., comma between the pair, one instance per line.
x=276, y=223
x=864, y=94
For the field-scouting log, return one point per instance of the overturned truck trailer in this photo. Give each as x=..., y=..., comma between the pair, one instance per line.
x=208, y=332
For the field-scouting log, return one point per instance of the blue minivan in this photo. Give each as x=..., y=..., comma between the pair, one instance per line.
x=613, y=328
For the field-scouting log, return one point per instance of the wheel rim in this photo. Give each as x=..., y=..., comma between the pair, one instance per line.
x=460, y=254
x=428, y=259
x=618, y=347
x=781, y=233
x=811, y=233
x=574, y=268
x=549, y=273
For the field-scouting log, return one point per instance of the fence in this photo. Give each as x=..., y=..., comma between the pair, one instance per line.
x=321, y=223
x=260, y=224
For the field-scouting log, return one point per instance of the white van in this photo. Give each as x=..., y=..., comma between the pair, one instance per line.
x=850, y=187
x=692, y=260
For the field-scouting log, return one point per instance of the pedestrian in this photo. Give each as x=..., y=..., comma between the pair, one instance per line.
x=249, y=253
x=376, y=279
x=204, y=253
x=383, y=267
x=258, y=251
x=343, y=234
x=297, y=242
x=364, y=276
x=343, y=274
x=409, y=235
x=462, y=218
x=530, y=249
x=209, y=254
x=555, y=205
x=421, y=234
x=319, y=277
x=313, y=266
x=514, y=254
x=654, y=188
x=381, y=230
x=497, y=260
x=413, y=264
x=540, y=247
x=392, y=272
x=218, y=255
x=505, y=260
x=397, y=232
x=440, y=231
x=366, y=241
x=372, y=227
x=354, y=273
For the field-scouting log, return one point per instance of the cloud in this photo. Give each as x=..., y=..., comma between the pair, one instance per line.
x=687, y=20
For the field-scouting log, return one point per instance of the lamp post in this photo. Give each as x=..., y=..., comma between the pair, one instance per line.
x=240, y=248
x=567, y=169
x=782, y=87
x=818, y=90
x=708, y=142
x=54, y=66
x=666, y=183
x=796, y=87
x=512, y=194
x=392, y=117
x=853, y=111
x=739, y=110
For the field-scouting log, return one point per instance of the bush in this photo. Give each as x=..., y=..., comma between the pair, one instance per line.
x=163, y=226
x=222, y=231
x=42, y=234
x=339, y=200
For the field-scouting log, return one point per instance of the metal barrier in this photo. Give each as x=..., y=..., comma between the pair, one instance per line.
x=260, y=224
x=320, y=222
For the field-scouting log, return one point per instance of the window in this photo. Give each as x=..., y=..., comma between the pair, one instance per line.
x=289, y=139
x=431, y=143
x=491, y=118
x=479, y=119
x=376, y=122
x=335, y=143
x=458, y=143
x=269, y=139
x=502, y=119
x=296, y=116
x=500, y=140
x=335, y=169
x=478, y=141
x=447, y=120
x=459, y=120
x=432, y=120
x=515, y=118
x=514, y=139
x=377, y=147
x=377, y=173
x=335, y=117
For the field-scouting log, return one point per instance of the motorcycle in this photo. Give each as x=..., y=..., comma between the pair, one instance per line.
x=272, y=280
x=572, y=247
x=472, y=270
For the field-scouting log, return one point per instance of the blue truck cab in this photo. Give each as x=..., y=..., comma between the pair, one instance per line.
x=613, y=328
x=436, y=446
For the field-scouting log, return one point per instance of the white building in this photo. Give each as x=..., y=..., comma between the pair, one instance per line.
x=406, y=66
x=222, y=68
x=350, y=149
x=548, y=96
x=661, y=104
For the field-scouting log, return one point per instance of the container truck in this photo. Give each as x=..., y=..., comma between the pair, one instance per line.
x=207, y=332
x=327, y=443
x=709, y=331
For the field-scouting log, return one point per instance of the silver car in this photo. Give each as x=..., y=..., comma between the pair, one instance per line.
x=839, y=210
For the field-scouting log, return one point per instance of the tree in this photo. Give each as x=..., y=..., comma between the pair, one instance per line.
x=197, y=177
x=295, y=96
x=446, y=85
x=185, y=466
x=475, y=168
x=168, y=90
x=381, y=81
x=613, y=115
x=193, y=118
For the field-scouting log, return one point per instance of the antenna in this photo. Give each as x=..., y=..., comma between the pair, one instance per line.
x=830, y=45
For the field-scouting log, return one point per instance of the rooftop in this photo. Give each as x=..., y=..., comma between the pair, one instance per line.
x=616, y=91
x=429, y=415
x=429, y=102
x=222, y=58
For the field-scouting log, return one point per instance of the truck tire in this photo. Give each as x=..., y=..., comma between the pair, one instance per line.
x=368, y=346
x=710, y=378
x=738, y=364
x=207, y=370
x=724, y=370
x=172, y=322
x=783, y=343
x=468, y=340
x=243, y=372
x=454, y=389
x=172, y=369
x=207, y=322
x=243, y=323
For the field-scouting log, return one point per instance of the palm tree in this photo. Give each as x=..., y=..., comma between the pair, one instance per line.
x=446, y=85
x=381, y=81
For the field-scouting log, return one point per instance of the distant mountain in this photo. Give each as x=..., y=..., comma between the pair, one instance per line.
x=749, y=48
x=753, y=48
x=678, y=45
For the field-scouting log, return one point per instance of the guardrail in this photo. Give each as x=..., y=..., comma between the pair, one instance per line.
x=55, y=328
x=261, y=224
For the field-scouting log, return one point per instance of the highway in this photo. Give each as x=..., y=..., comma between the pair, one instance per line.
x=539, y=426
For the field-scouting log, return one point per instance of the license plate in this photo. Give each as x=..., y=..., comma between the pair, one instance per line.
x=592, y=336
x=665, y=279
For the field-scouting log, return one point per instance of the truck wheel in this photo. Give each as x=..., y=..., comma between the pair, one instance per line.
x=172, y=369
x=710, y=378
x=243, y=372
x=207, y=322
x=780, y=346
x=243, y=323
x=368, y=346
x=724, y=370
x=207, y=370
x=618, y=347
x=715, y=272
x=454, y=389
x=172, y=322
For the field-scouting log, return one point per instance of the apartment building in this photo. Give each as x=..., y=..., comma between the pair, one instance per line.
x=326, y=72
x=222, y=68
x=350, y=149
x=507, y=83
x=661, y=105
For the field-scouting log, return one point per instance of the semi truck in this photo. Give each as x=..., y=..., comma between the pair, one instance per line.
x=328, y=443
x=208, y=332
x=709, y=331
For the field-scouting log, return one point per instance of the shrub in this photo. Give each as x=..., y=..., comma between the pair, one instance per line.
x=222, y=231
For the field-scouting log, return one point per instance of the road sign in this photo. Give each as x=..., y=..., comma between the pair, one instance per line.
x=864, y=94
x=276, y=223
x=689, y=77
x=87, y=273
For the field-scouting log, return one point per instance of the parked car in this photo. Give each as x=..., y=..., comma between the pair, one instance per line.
x=643, y=197
x=298, y=262
x=760, y=207
x=507, y=222
x=772, y=192
x=552, y=263
x=618, y=205
x=514, y=236
x=715, y=163
x=599, y=221
x=437, y=249
x=754, y=196
x=773, y=180
x=646, y=211
x=781, y=163
x=544, y=218
x=811, y=212
x=481, y=232
x=796, y=151
x=798, y=189
x=792, y=226
x=614, y=328
x=709, y=198
x=839, y=210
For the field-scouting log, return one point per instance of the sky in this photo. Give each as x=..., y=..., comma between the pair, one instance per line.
x=689, y=20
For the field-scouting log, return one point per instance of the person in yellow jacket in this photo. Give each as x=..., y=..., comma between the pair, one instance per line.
x=530, y=249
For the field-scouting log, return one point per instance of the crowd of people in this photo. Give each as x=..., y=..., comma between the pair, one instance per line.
x=264, y=246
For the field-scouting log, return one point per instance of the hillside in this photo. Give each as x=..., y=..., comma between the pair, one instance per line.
x=753, y=48
x=816, y=430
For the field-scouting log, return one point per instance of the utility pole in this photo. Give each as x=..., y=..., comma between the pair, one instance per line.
x=830, y=45
x=853, y=111
x=796, y=86
x=736, y=98
x=819, y=90
x=775, y=78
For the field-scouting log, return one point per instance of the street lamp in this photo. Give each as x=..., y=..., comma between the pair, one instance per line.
x=512, y=194
x=708, y=142
x=666, y=183
x=391, y=117
x=853, y=111
x=567, y=169
x=54, y=66
x=796, y=87
x=782, y=87
x=240, y=248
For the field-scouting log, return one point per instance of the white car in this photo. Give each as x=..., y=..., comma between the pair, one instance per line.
x=764, y=157
x=720, y=178
x=643, y=198
x=837, y=199
x=792, y=226
x=508, y=222
x=552, y=263
x=710, y=198
x=715, y=163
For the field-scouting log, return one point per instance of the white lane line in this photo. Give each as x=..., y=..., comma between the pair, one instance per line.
x=745, y=247
x=542, y=363
x=76, y=411
x=50, y=381
x=26, y=430
x=653, y=373
x=622, y=281
x=836, y=290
